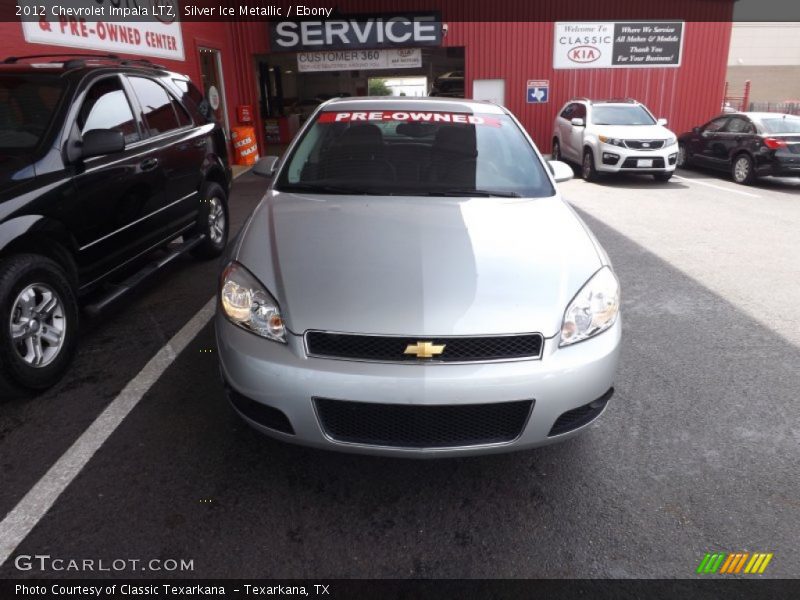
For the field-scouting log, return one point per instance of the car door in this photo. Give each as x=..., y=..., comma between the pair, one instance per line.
x=707, y=148
x=736, y=135
x=111, y=194
x=575, y=139
x=563, y=127
x=179, y=149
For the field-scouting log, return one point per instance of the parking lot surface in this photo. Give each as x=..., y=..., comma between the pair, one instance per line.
x=696, y=453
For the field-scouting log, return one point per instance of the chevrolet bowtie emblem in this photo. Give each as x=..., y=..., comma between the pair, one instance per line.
x=424, y=349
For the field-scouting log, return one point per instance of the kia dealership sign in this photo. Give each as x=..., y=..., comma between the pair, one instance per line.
x=604, y=45
x=390, y=31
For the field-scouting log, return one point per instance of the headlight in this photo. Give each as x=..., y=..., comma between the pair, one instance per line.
x=249, y=305
x=670, y=141
x=593, y=310
x=612, y=141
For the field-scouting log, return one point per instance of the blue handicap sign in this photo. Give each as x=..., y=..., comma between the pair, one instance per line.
x=538, y=91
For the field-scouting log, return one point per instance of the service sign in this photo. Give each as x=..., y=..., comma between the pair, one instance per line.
x=153, y=30
x=605, y=45
x=388, y=31
x=356, y=60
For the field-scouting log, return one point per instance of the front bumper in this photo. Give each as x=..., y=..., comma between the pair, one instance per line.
x=615, y=159
x=281, y=377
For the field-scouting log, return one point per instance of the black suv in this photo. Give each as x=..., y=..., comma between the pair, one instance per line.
x=102, y=162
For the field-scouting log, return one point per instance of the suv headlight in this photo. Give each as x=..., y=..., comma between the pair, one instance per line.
x=612, y=141
x=593, y=310
x=670, y=141
x=247, y=303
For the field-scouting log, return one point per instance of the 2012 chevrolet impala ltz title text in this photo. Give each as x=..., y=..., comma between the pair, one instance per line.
x=413, y=284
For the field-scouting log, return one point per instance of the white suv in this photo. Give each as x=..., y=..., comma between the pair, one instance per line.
x=614, y=136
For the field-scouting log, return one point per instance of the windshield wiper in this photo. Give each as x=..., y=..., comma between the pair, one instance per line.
x=461, y=192
x=316, y=188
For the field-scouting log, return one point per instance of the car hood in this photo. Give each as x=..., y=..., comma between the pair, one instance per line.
x=633, y=132
x=419, y=265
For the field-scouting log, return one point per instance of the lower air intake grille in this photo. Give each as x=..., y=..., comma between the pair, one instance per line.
x=414, y=426
x=578, y=417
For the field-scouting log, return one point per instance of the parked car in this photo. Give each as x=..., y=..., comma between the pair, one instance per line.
x=746, y=145
x=450, y=84
x=614, y=136
x=412, y=283
x=101, y=161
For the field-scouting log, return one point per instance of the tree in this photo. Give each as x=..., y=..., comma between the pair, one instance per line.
x=378, y=87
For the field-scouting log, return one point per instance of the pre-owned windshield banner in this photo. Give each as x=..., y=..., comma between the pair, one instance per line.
x=409, y=117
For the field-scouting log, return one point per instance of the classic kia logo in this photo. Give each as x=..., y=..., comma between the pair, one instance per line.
x=645, y=144
x=584, y=54
x=405, y=52
x=424, y=349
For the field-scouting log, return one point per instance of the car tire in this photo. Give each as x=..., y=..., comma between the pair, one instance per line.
x=683, y=160
x=588, y=170
x=556, y=153
x=212, y=222
x=742, y=169
x=38, y=324
x=662, y=177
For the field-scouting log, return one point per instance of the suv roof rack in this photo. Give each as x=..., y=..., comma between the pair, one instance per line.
x=605, y=100
x=80, y=60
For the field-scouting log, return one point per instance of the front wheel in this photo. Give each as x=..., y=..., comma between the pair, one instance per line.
x=683, y=161
x=742, y=170
x=556, y=154
x=212, y=222
x=38, y=323
x=588, y=171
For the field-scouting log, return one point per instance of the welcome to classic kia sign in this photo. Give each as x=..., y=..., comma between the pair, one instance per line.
x=628, y=44
x=355, y=32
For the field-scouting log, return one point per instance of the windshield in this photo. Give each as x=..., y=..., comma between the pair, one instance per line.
x=27, y=104
x=787, y=124
x=415, y=153
x=621, y=115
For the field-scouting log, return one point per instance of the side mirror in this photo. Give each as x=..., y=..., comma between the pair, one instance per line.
x=577, y=122
x=265, y=167
x=662, y=122
x=561, y=171
x=96, y=142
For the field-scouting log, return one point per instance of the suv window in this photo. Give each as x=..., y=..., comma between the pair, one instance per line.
x=27, y=104
x=158, y=109
x=628, y=114
x=190, y=95
x=567, y=112
x=106, y=107
x=579, y=112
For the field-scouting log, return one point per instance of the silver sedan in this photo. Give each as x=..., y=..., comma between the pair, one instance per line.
x=413, y=284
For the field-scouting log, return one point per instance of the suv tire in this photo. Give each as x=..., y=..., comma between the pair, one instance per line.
x=212, y=221
x=588, y=171
x=38, y=323
x=663, y=177
x=683, y=160
x=556, y=153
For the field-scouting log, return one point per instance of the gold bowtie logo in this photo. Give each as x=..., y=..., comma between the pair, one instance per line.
x=424, y=349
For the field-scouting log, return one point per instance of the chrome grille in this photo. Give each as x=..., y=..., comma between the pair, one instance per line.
x=644, y=144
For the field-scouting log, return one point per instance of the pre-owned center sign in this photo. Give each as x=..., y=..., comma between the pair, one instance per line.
x=603, y=45
x=389, y=31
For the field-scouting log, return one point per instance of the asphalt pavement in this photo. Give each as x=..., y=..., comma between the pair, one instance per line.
x=697, y=452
